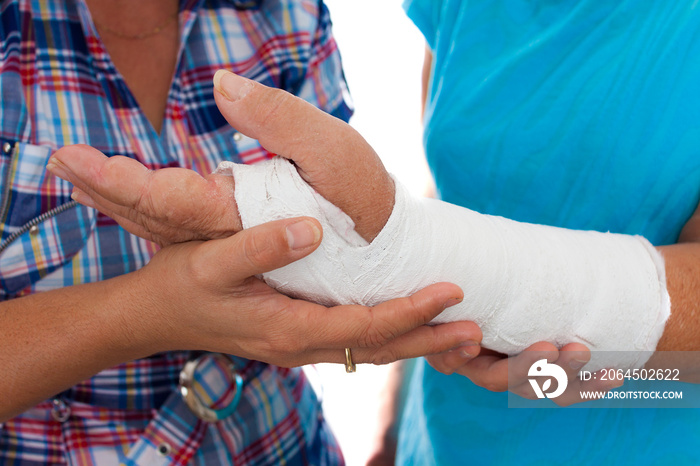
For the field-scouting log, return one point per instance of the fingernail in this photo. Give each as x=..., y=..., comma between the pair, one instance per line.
x=466, y=350
x=452, y=301
x=577, y=364
x=231, y=86
x=81, y=198
x=303, y=234
x=57, y=168
x=469, y=350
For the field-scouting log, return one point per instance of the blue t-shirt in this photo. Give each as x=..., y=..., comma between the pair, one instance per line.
x=583, y=114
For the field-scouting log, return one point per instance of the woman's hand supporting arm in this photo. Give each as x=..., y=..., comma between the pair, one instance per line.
x=203, y=296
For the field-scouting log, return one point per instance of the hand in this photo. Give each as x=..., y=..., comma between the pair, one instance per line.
x=330, y=155
x=497, y=372
x=166, y=206
x=203, y=296
x=174, y=205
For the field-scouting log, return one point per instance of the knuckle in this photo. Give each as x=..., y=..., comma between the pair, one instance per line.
x=281, y=349
x=384, y=357
x=143, y=202
x=198, y=270
x=274, y=349
x=289, y=346
x=258, y=250
x=443, y=345
x=110, y=163
x=275, y=113
x=438, y=363
x=374, y=338
x=276, y=100
x=377, y=331
x=413, y=306
x=281, y=337
x=302, y=345
x=451, y=365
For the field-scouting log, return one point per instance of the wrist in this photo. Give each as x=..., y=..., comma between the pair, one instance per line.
x=370, y=225
x=137, y=320
x=226, y=219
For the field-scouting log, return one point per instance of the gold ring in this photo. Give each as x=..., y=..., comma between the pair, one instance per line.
x=349, y=365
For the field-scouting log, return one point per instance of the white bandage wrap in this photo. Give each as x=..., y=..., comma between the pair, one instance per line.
x=523, y=283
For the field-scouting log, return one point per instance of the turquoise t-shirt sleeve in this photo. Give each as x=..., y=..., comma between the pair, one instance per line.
x=425, y=14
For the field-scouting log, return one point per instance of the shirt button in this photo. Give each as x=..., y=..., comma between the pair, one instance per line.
x=7, y=148
x=60, y=411
x=164, y=449
x=237, y=136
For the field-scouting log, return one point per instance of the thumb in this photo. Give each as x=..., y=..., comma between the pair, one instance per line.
x=261, y=248
x=330, y=155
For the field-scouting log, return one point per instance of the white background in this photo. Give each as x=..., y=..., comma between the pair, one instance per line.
x=382, y=53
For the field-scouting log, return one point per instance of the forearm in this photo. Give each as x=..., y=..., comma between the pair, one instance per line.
x=682, y=332
x=55, y=339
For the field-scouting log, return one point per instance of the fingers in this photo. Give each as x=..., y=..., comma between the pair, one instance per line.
x=119, y=180
x=572, y=358
x=360, y=326
x=256, y=250
x=495, y=372
x=331, y=156
x=106, y=208
x=450, y=361
x=382, y=334
x=125, y=187
x=421, y=341
x=168, y=205
x=283, y=123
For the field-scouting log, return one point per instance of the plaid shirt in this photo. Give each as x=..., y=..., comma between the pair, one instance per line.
x=58, y=86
